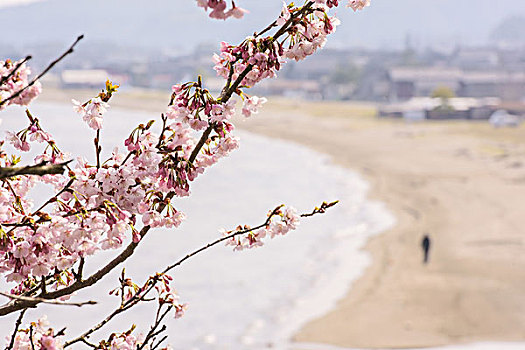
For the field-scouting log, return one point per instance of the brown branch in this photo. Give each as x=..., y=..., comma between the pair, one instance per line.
x=44, y=72
x=50, y=200
x=31, y=337
x=222, y=239
x=81, y=284
x=86, y=334
x=6, y=78
x=43, y=168
x=154, y=346
x=89, y=344
x=98, y=148
x=320, y=210
x=46, y=301
x=153, y=331
x=135, y=299
x=17, y=326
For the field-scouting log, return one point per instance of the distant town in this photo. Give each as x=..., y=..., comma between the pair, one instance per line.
x=431, y=83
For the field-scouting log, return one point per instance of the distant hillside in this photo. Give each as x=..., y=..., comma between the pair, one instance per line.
x=168, y=22
x=510, y=31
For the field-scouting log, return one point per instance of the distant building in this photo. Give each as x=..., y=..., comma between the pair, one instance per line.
x=418, y=108
x=408, y=82
x=508, y=87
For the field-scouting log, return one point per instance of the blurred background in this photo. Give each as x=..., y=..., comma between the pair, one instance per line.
x=422, y=99
x=391, y=52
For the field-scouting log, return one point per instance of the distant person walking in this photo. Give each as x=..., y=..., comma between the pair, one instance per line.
x=425, y=244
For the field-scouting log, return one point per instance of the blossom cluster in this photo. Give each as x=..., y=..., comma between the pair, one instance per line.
x=355, y=5
x=92, y=112
x=280, y=221
x=14, y=76
x=258, y=58
x=37, y=336
x=168, y=296
x=193, y=109
x=126, y=341
x=219, y=9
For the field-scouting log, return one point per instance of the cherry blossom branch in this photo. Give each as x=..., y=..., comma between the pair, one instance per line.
x=7, y=77
x=17, y=305
x=230, y=89
x=129, y=250
x=222, y=239
x=320, y=210
x=43, y=168
x=150, y=283
x=52, y=199
x=44, y=72
x=46, y=301
x=137, y=298
x=87, y=334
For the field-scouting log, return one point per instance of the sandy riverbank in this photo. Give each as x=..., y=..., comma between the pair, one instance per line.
x=463, y=183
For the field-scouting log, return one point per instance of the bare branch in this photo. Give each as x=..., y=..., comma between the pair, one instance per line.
x=153, y=331
x=46, y=301
x=40, y=169
x=17, y=325
x=31, y=337
x=44, y=72
x=154, y=346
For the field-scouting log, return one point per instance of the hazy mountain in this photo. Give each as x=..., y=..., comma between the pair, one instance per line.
x=169, y=23
x=510, y=31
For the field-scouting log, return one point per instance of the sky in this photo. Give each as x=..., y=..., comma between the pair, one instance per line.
x=11, y=3
x=169, y=23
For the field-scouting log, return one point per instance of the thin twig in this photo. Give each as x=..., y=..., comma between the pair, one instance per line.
x=153, y=331
x=154, y=346
x=6, y=78
x=88, y=343
x=98, y=148
x=46, y=301
x=31, y=337
x=17, y=325
x=44, y=72
x=50, y=200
